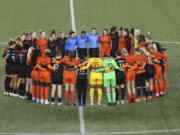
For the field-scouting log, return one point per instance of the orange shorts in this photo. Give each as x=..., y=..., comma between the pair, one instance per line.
x=35, y=75
x=105, y=50
x=158, y=73
x=45, y=76
x=130, y=76
x=69, y=77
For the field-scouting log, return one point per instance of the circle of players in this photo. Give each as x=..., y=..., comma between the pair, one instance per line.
x=129, y=66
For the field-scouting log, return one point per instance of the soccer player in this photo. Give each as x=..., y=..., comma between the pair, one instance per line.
x=130, y=73
x=7, y=53
x=44, y=65
x=61, y=43
x=42, y=42
x=32, y=59
x=93, y=38
x=120, y=77
x=95, y=80
x=21, y=60
x=69, y=74
x=158, y=77
x=82, y=83
x=105, y=40
x=122, y=40
x=71, y=43
x=15, y=70
x=57, y=79
x=82, y=44
x=109, y=78
x=141, y=61
x=52, y=43
x=114, y=38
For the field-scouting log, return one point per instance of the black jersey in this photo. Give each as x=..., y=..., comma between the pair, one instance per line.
x=52, y=45
x=21, y=58
x=59, y=68
x=120, y=61
x=61, y=45
x=11, y=56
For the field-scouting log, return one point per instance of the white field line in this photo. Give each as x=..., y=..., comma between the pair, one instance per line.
x=74, y=28
x=81, y=113
x=100, y=133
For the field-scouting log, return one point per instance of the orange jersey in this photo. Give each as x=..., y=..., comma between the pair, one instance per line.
x=42, y=43
x=69, y=70
x=106, y=45
x=140, y=60
x=106, y=41
x=122, y=43
x=141, y=44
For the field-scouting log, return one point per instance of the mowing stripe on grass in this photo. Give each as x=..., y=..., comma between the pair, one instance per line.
x=81, y=113
x=74, y=28
x=135, y=132
x=100, y=133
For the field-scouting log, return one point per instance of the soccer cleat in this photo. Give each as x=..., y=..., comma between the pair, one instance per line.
x=144, y=98
x=46, y=102
x=114, y=104
x=67, y=104
x=73, y=104
x=5, y=93
x=52, y=103
x=59, y=103
x=99, y=104
x=117, y=102
x=91, y=104
x=33, y=99
x=122, y=101
x=42, y=101
x=37, y=100
x=15, y=95
x=10, y=94
x=138, y=99
x=25, y=97
x=149, y=97
x=109, y=104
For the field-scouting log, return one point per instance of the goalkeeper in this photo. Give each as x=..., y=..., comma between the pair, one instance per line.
x=109, y=65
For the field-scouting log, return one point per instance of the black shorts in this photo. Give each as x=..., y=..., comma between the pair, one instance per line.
x=150, y=71
x=22, y=71
x=14, y=69
x=82, y=52
x=7, y=69
x=120, y=78
x=140, y=79
x=91, y=50
x=57, y=79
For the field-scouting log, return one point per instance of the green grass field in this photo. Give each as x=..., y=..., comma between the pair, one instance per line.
x=160, y=17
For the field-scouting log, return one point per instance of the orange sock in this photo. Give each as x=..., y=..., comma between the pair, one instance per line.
x=46, y=91
x=129, y=97
x=161, y=86
x=66, y=94
x=156, y=86
x=133, y=96
x=72, y=97
x=38, y=91
x=34, y=91
x=42, y=91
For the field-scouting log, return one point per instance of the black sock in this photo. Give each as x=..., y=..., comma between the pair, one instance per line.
x=7, y=83
x=14, y=91
x=59, y=100
x=144, y=92
x=122, y=93
x=22, y=89
x=52, y=99
x=117, y=94
x=138, y=92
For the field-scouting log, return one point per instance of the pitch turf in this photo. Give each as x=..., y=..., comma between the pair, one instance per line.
x=159, y=17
